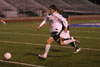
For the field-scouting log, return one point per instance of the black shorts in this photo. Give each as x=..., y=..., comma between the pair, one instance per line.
x=55, y=36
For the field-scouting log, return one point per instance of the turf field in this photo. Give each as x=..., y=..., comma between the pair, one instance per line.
x=25, y=42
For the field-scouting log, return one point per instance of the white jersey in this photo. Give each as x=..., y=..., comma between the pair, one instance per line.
x=55, y=20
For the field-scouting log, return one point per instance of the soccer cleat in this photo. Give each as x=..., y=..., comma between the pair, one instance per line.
x=77, y=50
x=42, y=56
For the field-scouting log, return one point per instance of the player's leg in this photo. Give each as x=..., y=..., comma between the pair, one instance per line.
x=65, y=38
x=49, y=41
x=68, y=40
x=47, y=48
x=72, y=43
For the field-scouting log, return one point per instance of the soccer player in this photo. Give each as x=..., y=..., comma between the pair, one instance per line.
x=57, y=24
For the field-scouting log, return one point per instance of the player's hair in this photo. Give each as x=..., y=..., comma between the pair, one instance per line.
x=53, y=7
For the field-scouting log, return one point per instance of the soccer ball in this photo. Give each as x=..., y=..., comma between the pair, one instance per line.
x=7, y=56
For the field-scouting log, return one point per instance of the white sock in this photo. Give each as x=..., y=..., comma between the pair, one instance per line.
x=47, y=49
x=69, y=41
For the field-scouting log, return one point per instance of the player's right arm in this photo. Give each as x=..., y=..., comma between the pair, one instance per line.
x=42, y=23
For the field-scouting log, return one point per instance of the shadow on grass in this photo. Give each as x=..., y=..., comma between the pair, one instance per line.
x=52, y=50
x=49, y=55
x=34, y=54
x=65, y=55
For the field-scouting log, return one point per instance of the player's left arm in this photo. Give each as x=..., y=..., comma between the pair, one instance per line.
x=68, y=19
x=1, y=20
x=65, y=29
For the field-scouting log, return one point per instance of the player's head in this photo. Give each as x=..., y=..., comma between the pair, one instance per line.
x=52, y=8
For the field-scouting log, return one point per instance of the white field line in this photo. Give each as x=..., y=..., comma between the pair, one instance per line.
x=23, y=34
x=49, y=29
x=89, y=49
x=42, y=35
x=25, y=64
x=85, y=31
x=88, y=38
x=16, y=28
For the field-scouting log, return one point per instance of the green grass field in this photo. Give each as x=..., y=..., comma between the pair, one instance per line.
x=25, y=42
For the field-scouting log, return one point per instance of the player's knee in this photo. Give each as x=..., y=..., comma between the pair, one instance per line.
x=47, y=42
x=61, y=44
